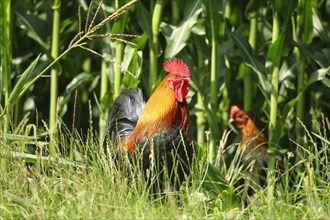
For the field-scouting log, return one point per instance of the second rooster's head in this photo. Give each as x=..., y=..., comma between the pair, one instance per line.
x=178, y=77
x=239, y=116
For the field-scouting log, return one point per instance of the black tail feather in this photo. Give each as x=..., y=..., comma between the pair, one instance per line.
x=124, y=115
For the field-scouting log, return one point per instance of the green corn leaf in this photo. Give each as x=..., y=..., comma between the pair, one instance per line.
x=305, y=20
x=318, y=27
x=14, y=95
x=140, y=41
x=144, y=20
x=132, y=62
x=285, y=8
x=318, y=75
x=326, y=82
x=213, y=14
x=128, y=56
x=320, y=57
x=71, y=87
x=35, y=28
x=177, y=40
x=211, y=115
x=275, y=51
x=254, y=5
x=120, y=23
x=281, y=46
x=252, y=61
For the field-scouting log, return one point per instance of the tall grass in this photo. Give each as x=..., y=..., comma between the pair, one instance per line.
x=85, y=183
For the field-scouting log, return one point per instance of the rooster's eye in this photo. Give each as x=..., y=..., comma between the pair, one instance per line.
x=175, y=76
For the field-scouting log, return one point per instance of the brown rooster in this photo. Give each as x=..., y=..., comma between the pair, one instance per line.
x=158, y=129
x=254, y=143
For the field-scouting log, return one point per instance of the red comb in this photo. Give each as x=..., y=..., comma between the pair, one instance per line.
x=234, y=110
x=176, y=65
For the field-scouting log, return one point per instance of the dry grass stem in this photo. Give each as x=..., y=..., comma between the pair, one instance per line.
x=221, y=148
x=79, y=19
x=94, y=17
x=124, y=41
x=90, y=50
x=106, y=58
x=109, y=35
x=75, y=38
x=88, y=13
x=117, y=13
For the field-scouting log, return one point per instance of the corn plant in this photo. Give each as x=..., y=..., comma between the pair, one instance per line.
x=5, y=66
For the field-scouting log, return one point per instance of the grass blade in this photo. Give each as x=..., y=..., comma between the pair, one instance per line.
x=14, y=95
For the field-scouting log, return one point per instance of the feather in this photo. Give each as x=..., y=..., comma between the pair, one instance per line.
x=124, y=114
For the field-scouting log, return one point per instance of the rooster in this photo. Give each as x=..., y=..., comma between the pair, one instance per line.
x=253, y=146
x=158, y=129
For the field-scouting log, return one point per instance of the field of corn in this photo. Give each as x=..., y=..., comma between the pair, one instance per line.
x=63, y=62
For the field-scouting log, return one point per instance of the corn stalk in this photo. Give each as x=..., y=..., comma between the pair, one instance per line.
x=119, y=27
x=200, y=115
x=153, y=53
x=5, y=69
x=214, y=22
x=304, y=35
x=5, y=61
x=54, y=73
x=276, y=51
x=248, y=77
x=103, y=91
x=273, y=115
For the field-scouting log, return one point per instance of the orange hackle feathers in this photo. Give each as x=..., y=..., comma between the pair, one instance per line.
x=166, y=107
x=253, y=134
